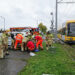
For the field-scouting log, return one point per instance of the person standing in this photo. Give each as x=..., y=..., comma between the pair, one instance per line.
x=1, y=48
x=5, y=41
x=49, y=40
x=12, y=41
x=24, y=42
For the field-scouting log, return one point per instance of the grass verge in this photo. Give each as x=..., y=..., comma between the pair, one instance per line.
x=55, y=61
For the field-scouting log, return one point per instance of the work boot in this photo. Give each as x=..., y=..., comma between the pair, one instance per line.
x=7, y=53
x=41, y=48
x=22, y=49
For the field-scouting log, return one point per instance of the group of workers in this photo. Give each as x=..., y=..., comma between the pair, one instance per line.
x=32, y=42
x=29, y=43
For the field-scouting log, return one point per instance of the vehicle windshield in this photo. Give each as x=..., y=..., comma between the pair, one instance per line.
x=25, y=30
x=71, y=29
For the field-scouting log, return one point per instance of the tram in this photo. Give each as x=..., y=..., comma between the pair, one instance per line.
x=67, y=32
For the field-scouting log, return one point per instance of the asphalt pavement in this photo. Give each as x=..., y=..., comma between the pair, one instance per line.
x=13, y=63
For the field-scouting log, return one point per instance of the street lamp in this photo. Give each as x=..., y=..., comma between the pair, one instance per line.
x=52, y=16
x=4, y=21
x=52, y=22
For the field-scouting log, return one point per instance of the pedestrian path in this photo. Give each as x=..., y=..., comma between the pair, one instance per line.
x=13, y=63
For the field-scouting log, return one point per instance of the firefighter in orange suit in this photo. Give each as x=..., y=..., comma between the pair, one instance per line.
x=39, y=41
x=18, y=39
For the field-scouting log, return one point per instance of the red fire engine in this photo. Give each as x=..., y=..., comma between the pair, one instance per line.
x=26, y=29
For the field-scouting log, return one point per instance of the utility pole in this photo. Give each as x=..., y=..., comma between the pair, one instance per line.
x=4, y=24
x=56, y=16
x=56, y=22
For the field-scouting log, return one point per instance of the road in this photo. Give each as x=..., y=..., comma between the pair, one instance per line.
x=13, y=63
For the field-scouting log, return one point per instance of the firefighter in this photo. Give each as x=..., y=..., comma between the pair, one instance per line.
x=5, y=41
x=39, y=41
x=24, y=42
x=49, y=40
x=13, y=40
x=1, y=48
x=29, y=36
x=18, y=39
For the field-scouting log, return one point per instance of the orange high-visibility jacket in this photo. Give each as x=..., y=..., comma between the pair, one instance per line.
x=19, y=37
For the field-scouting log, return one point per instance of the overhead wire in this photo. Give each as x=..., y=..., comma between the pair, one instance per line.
x=68, y=10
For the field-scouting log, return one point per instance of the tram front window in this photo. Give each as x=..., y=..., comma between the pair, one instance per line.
x=71, y=29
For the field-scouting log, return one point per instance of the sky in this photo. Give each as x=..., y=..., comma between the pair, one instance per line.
x=24, y=13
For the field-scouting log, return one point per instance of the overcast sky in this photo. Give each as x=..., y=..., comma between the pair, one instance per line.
x=23, y=13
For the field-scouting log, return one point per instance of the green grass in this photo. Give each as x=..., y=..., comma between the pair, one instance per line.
x=55, y=61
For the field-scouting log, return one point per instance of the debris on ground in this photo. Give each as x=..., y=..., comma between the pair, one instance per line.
x=32, y=54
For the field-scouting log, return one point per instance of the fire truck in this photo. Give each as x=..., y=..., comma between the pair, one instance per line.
x=25, y=30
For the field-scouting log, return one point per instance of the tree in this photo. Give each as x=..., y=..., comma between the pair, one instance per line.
x=43, y=28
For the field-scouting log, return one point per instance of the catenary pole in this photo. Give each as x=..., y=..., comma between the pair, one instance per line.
x=56, y=13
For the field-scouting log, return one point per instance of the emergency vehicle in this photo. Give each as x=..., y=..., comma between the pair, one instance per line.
x=25, y=30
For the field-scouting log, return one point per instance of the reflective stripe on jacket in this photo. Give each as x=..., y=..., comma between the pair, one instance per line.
x=19, y=37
